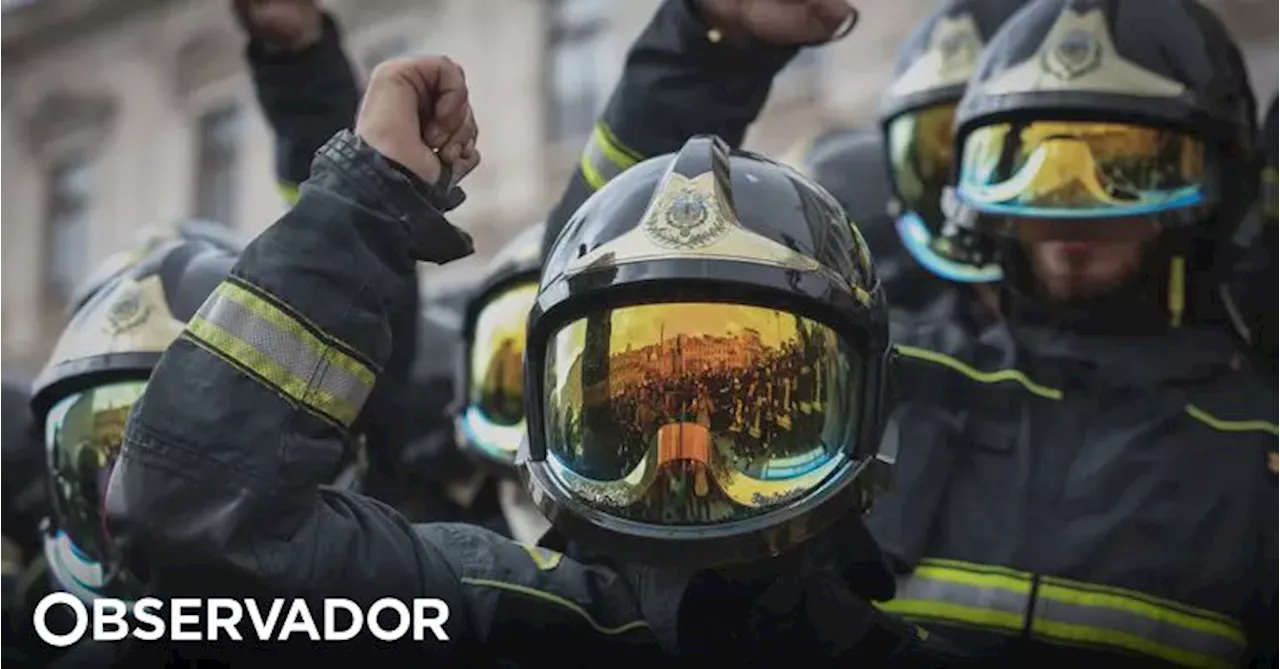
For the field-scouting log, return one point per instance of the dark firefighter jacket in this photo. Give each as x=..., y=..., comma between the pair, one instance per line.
x=307, y=97
x=676, y=83
x=25, y=504
x=1259, y=270
x=218, y=487
x=1083, y=499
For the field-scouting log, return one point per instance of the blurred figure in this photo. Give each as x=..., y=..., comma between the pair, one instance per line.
x=891, y=180
x=80, y=401
x=306, y=86
x=1053, y=468
x=699, y=67
x=491, y=423
x=1252, y=261
x=24, y=505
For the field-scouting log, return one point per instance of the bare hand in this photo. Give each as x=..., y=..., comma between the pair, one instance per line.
x=780, y=22
x=416, y=112
x=292, y=25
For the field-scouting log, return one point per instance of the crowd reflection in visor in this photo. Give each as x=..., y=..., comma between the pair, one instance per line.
x=494, y=418
x=688, y=414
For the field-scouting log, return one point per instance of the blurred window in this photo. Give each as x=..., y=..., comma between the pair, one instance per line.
x=71, y=183
x=217, y=172
x=577, y=55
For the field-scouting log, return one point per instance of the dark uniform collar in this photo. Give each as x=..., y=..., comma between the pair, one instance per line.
x=1175, y=357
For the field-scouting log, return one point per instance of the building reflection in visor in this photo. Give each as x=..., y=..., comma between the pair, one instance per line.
x=83, y=435
x=687, y=414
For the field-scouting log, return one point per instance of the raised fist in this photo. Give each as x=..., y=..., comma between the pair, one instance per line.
x=289, y=25
x=780, y=22
x=416, y=112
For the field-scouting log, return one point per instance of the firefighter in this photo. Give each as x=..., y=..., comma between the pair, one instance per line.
x=1091, y=481
x=82, y=398
x=490, y=422
x=323, y=281
x=699, y=67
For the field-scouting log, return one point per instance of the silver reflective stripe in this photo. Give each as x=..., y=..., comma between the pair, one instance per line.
x=605, y=158
x=983, y=598
x=1074, y=615
x=1068, y=612
x=264, y=339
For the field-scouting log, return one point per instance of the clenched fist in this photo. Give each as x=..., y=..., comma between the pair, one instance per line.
x=780, y=22
x=290, y=25
x=416, y=113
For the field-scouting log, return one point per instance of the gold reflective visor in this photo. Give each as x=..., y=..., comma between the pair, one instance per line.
x=921, y=145
x=83, y=436
x=493, y=421
x=698, y=413
x=1080, y=169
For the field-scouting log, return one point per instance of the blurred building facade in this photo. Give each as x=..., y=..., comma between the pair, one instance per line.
x=124, y=114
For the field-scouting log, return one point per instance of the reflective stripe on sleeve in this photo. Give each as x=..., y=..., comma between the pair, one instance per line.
x=1079, y=614
x=1068, y=612
x=1270, y=193
x=278, y=350
x=990, y=598
x=605, y=157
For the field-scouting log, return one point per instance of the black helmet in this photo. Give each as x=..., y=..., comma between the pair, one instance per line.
x=491, y=424
x=705, y=363
x=82, y=398
x=1108, y=87
x=1084, y=114
x=916, y=117
x=192, y=229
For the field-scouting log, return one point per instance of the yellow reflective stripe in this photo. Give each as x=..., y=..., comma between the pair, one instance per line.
x=971, y=595
x=275, y=348
x=998, y=598
x=998, y=376
x=545, y=559
x=954, y=613
x=288, y=191
x=1093, y=617
x=558, y=601
x=1222, y=425
x=1270, y=207
x=605, y=157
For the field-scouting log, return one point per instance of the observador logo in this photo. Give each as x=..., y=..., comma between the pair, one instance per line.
x=225, y=619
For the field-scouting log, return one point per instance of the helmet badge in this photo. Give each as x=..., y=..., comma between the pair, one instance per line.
x=1077, y=53
x=688, y=216
x=129, y=311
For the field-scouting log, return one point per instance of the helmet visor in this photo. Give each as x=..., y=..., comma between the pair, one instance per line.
x=921, y=144
x=698, y=413
x=493, y=422
x=83, y=435
x=1080, y=170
